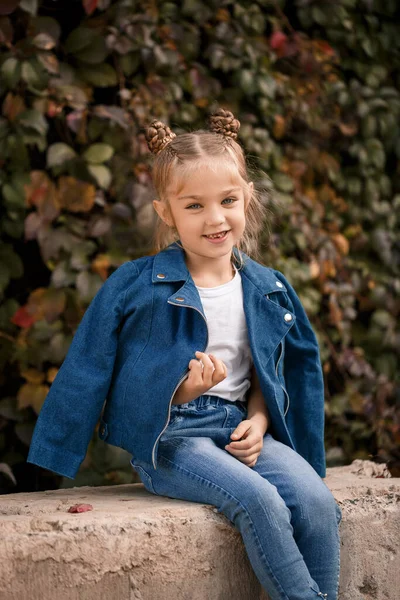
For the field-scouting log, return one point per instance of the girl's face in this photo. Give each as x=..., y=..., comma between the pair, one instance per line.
x=208, y=211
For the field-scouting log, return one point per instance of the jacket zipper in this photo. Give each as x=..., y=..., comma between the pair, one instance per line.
x=177, y=385
x=277, y=376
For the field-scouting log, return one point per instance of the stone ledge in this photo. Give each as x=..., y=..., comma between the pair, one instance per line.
x=137, y=546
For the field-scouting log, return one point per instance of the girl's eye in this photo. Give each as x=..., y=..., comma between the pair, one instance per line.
x=227, y=201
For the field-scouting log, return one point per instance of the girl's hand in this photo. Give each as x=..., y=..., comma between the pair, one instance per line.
x=250, y=436
x=204, y=373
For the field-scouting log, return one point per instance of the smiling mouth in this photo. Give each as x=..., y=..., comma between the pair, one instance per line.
x=216, y=236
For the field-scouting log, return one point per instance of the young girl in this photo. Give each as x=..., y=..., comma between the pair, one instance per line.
x=210, y=371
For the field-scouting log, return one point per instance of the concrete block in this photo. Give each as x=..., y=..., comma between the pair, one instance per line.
x=137, y=546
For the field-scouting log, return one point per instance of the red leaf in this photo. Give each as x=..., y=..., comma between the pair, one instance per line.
x=90, y=6
x=22, y=318
x=80, y=508
x=326, y=48
x=278, y=40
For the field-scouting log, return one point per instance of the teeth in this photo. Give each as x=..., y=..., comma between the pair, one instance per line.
x=217, y=235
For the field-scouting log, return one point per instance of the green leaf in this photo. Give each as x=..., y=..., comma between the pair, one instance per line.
x=102, y=175
x=62, y=276
x=368, y=46
x=283, y=182
x=101, y=76
x=7, y=310
x=13, y=229
x=43, y=331
x=73, y=95
x=98, y=153
x=319, y=15
x=267, y=86
x=12, y=197
x=88, y=285
x=354, y=186
x=78, y=39
x=4, y=277
x=8, y=408
x=3, y=128
x=30, y=74
x=59, y=153
x=58, y=348
x=129, y=63
x=34, y=139
x=368, y=126
x=44, y=41
x=29, y=6
x=24, y=432
x=11, y=71
x=49, y=62
x=12, y=260
x=34, y=120
x=47, y=25
x=95, y=53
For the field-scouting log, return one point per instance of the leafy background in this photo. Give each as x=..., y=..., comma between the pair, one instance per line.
x=315, y=85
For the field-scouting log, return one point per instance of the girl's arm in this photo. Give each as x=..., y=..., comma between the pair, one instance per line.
x=73, y=405
x=257, y=410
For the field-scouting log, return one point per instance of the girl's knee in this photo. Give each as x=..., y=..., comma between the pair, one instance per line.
x=257, y=504
x=319, y=504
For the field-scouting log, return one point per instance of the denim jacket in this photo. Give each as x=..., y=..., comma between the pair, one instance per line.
x=131, y=352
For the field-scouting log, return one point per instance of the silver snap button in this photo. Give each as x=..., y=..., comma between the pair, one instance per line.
x=180, y=299
x=160, y=276
x=288, y=317
x=279, y=284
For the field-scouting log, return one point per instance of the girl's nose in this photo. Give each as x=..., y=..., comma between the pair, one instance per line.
x=214, y=218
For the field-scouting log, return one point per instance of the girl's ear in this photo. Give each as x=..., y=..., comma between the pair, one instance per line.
x=163, y=212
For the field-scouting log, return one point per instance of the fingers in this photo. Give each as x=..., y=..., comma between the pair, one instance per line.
x=213, y=370
x=245, y=447
x=220, y=369
x=248, y=458
x=244, y=452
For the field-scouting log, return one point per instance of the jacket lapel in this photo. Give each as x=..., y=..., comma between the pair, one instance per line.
x=265, y=318
x=268, y=322
x=169, y=266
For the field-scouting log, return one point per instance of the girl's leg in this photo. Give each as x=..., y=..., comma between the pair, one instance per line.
x=315, y=515
x=196, y=469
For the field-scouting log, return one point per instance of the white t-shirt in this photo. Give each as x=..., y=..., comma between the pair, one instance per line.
x=227, y=336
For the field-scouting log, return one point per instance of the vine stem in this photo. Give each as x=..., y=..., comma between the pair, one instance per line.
x=6, y=336
x=283, y=17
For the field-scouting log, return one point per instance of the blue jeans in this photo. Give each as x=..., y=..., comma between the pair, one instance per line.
x=287, y=516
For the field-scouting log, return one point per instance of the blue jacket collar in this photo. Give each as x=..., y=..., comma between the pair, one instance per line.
x=169, y=265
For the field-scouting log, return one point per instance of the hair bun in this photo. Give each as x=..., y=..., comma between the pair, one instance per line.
x=223, y=122
x=158, y=135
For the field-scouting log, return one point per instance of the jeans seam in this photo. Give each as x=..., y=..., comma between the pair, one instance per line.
x=280, y=589
x=339, y=560
x=227, y=415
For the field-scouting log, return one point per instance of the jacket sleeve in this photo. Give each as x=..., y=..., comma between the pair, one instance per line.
x=305, y=385
x=73, y=405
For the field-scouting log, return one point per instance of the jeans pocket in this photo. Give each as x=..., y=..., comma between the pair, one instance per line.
x=174, y=415
x=235, y=414
x=145, y=478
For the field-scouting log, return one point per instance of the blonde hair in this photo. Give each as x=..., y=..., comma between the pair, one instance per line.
x=177, y=156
